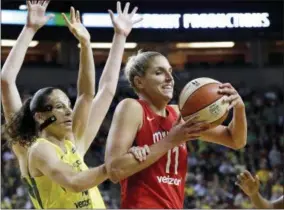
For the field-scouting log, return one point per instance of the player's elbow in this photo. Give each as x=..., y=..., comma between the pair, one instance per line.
x=240, y=143
x=113, y=172
x=75, y=186
x=236, y=140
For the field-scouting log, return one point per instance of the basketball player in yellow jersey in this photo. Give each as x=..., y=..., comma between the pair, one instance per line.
x=48, y=137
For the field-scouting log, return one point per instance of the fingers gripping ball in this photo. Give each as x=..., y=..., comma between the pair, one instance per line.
x=200, y=97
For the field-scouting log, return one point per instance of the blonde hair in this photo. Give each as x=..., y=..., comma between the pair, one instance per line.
x=137, y=65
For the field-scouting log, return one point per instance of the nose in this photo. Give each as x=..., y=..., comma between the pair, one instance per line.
x=169, y=77
x=68, y=112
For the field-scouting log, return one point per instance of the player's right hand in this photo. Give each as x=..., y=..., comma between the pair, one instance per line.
x=248, y=183
x=189, y=129
x=36, y=14
x=124, y=20
x=140, y=153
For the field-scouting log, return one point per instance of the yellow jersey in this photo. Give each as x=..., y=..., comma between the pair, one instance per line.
x=46, y=194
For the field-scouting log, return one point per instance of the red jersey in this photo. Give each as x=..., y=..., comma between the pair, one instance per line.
x=161, y=185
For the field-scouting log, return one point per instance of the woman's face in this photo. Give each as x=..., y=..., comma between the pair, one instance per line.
x=61, y=109
x=158, y=81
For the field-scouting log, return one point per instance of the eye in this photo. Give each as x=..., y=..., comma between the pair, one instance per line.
x=58, y=106
x=158, y=72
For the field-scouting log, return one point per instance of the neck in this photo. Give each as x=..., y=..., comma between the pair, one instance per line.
x=158, y=106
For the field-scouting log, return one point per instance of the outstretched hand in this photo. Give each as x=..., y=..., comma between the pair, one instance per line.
x=248, y=183
x=36, y=14
x=124, y=22
x=76, y=27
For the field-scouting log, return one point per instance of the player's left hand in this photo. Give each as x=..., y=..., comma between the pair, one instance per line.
x=76, y=27
x=234, y=99
x=140, y=153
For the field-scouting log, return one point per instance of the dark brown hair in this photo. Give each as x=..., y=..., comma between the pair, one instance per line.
x=22, y=128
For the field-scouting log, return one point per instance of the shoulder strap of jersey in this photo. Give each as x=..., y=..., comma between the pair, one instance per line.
x=142, y=103
x=173, y=111
x=69, y=145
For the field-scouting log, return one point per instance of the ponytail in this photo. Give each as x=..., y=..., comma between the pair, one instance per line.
x=22, y=128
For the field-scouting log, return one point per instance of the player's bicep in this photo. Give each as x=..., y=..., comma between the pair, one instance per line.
x=126, y=122
x=49, y=164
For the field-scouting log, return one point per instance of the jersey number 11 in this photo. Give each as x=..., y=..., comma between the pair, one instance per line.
x=175, y=150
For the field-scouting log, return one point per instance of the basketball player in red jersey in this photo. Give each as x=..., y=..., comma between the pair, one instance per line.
x=158, y=181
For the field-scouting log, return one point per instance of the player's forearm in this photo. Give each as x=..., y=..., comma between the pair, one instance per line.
x=109, y=78
x=260, y=202
x=126, y=165
x=11, y=99
x=90, y=178
x=16, y=57
x=238, y=127
x=86, y=77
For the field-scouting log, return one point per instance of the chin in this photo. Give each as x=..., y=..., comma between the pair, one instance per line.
x=67, y=129
x=68, y=133
x=168, y=97
x=166, y=94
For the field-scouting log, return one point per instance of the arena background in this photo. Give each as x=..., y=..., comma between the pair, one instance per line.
x=250, y=56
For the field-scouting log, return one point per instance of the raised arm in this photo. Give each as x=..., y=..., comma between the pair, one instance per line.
x=11, y=100
x=126, y=122
x=36, y=18
x=49, y=164
x=123, y=24
x=86, y=76
x=235, y=135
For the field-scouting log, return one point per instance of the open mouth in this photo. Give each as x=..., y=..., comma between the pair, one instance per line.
x=167, y=87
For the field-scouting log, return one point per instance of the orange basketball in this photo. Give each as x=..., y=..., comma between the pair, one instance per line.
x=200, y=96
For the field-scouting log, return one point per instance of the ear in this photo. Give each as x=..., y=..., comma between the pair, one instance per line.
x=138, y=82
x=39, y=117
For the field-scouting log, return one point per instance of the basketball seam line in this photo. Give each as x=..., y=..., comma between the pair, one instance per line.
x=194, y=92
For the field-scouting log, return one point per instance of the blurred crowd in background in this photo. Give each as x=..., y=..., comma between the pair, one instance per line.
x=212, y=169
